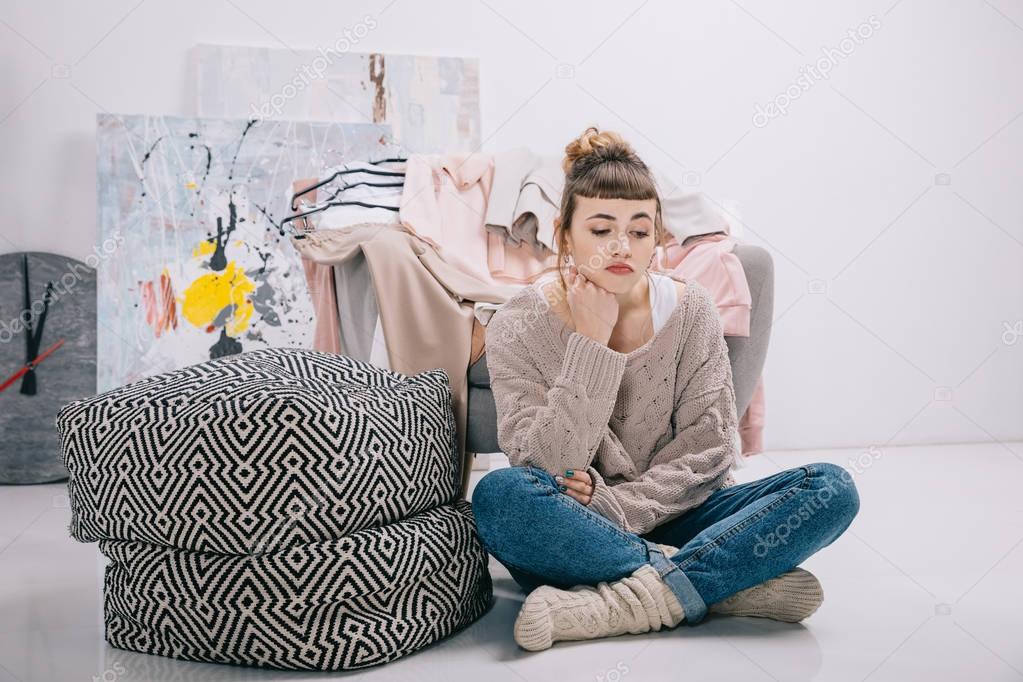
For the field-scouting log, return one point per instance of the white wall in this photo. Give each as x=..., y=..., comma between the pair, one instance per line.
x=917, y=278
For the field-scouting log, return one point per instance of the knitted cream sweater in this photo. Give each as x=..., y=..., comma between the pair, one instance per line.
x=655, y=428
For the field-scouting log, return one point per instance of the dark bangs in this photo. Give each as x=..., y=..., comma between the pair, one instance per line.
x=600, y=178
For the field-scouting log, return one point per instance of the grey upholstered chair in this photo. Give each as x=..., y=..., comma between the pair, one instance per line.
x=747, y=354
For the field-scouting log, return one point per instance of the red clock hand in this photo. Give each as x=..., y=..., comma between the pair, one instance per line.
x=32, y=365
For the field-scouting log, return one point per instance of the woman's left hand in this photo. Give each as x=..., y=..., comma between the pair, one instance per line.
x=576, y=484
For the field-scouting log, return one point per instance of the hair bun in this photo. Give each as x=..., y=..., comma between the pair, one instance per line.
x=600, y=145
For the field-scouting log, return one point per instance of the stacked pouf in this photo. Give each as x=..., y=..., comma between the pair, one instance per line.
x=282, y=508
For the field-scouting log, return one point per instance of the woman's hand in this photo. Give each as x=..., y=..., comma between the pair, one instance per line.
x=576, y=484
x=594, y=308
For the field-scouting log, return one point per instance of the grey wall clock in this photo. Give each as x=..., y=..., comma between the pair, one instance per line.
x=47, y=358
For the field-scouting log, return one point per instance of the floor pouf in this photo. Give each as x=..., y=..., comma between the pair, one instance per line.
x=258, y=452
x=355, y=602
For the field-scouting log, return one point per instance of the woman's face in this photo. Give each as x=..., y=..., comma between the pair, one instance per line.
x=608, y=233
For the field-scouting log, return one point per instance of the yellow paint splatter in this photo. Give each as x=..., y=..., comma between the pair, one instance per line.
x=208, y=295
x=205, y=248
x=190, y=184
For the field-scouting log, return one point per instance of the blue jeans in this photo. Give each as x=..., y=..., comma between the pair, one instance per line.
x=740, y=536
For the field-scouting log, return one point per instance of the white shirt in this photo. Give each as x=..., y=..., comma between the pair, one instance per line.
x=663, y=298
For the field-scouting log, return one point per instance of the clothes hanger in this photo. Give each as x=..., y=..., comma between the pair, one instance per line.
x=338, y=191
x=333, y=199
x=340, y=173
x=319, y=208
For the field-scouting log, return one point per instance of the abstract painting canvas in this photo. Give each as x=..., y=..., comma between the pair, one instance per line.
x=193, y=264
x=431, y=103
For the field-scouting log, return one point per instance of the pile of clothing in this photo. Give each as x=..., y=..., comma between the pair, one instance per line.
x=281, y=508
x=411, y=287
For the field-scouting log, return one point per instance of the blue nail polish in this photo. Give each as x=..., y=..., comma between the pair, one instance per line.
x=569, y=472
x=563, y=488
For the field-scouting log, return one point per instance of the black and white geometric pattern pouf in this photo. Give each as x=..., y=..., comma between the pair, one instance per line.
x=281, y=508
x=259, y=451
x=360, y=601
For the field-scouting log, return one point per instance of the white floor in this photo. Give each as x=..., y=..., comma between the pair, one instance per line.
x=925, y=585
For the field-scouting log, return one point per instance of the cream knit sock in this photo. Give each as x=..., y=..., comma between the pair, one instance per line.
x=637, y=603
x=789, y=597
